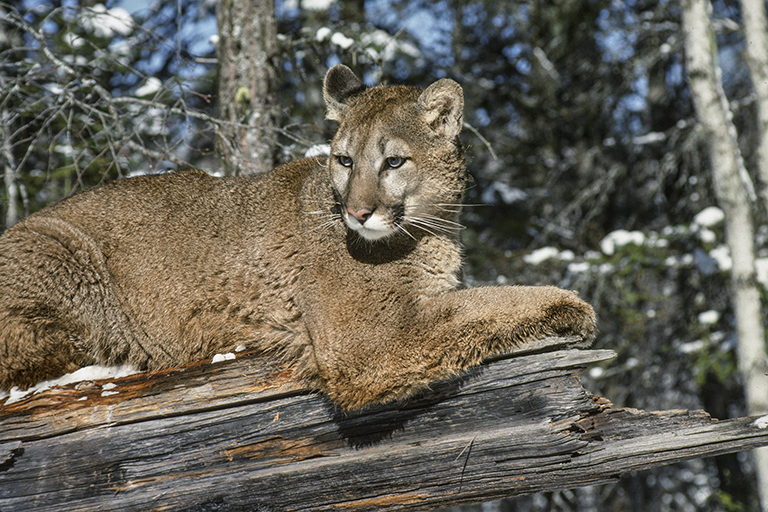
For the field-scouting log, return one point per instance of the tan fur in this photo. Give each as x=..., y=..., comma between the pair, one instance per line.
x=161, y=270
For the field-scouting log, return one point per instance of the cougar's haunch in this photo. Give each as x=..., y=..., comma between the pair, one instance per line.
x=346, y=268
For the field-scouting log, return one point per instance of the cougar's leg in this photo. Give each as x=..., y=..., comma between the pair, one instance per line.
x=446, y=335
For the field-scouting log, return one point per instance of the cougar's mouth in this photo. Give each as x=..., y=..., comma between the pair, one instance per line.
x=372, y=223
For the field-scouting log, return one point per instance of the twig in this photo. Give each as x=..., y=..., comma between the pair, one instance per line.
x=482, y=139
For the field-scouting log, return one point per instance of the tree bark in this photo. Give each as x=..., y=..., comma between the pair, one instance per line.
x=9, y=171
x=243, y=435
x=246, y=138
x=753, y=15
x=728, y=170
x=8, y=38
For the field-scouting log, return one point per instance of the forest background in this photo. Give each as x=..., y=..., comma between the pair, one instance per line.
x=591, y=169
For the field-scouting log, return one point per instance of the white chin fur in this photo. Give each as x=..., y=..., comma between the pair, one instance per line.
x=373, y=229
x=371, y=234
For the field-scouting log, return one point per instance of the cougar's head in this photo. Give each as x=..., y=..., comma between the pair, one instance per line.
x=396, y=162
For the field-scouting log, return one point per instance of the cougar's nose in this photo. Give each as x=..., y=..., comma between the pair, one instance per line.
x=362, y=215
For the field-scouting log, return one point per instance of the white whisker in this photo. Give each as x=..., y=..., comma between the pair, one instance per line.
x=436, y=221
x=328, y=222
x=428, y=230
x=440, y=220
x=402, y=229
x=443, y=207
x=432, y=226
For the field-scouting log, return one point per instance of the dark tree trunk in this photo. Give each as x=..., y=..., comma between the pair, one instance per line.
x=247, y=44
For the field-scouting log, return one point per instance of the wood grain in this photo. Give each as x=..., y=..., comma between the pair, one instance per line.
x=242, y=435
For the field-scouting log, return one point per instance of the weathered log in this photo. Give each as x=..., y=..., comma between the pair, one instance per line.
x=243, y=435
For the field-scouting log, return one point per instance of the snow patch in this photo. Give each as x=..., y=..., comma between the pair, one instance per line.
x=387, y=45
x=64, y=149
x=691, y=347
x=541, y=255
x=709, y=217
x=322, y=34
x=218, y=358
x=579, y=268
x=95, y=372
x=761, y=422
x=73, y=40
x=121, y=52
x=722, y=255
x=710, y=317
x=54, y=88
x=707, y=236
x=548, y=253
x=151, y=86
x=605, y=268
x=761, y=268
x=341, y=40
x=620, y=238
x=106, y=23
x=317, y=5
x=649, y=138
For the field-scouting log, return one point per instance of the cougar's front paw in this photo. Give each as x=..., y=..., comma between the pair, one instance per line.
x=568, y=315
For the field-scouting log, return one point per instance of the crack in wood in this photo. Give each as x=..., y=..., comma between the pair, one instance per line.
x=245, y=434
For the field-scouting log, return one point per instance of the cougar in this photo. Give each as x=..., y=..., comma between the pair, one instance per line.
x=345, y=268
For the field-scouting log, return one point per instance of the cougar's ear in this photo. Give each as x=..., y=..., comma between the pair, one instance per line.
x=339, y=86
x=442, y=104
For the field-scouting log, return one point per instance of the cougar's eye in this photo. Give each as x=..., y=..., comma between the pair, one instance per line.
x=344, y=160
x=393, y=162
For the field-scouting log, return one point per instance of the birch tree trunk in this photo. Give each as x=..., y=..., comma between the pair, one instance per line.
x=245, y=141
x=7, y=40
x=9, y=171
x=728, y=171
x=753, y=16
